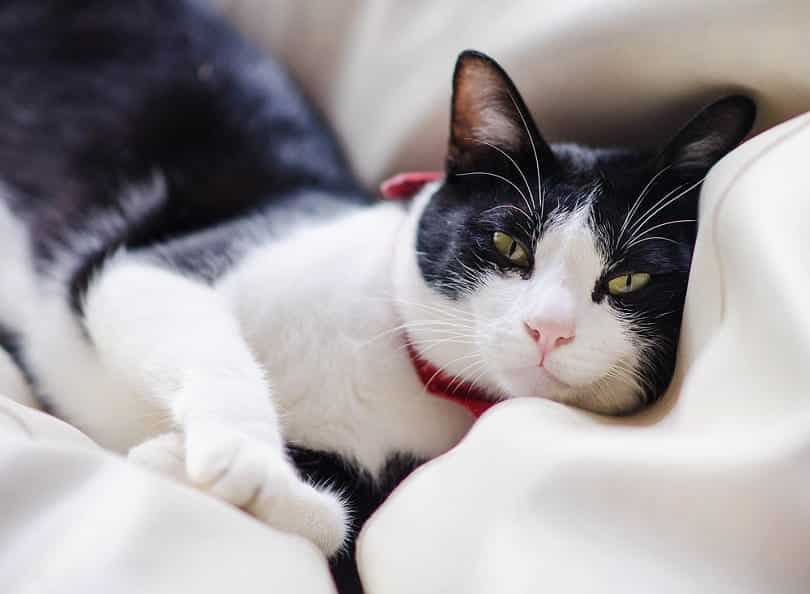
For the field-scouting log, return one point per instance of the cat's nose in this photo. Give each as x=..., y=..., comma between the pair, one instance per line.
x=550, y=334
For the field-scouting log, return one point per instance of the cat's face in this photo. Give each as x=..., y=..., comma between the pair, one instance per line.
x=556, y=271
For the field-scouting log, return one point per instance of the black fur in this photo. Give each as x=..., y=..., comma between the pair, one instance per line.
x=455, y=232
x=365, y=494
x=10, y=342
x=100, y=95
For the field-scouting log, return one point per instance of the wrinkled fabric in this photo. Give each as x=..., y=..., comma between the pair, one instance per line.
x=597, y=71
x=75, y=519
x=703, y=493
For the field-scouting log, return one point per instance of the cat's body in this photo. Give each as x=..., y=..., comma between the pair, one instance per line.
x=188, y=264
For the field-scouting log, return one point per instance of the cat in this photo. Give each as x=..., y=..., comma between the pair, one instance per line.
x=192, y=274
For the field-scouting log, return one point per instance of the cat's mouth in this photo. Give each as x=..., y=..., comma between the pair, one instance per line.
x=553, y=378
x=438, y=383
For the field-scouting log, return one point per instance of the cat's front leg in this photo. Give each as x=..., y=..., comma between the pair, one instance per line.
x=175, y=341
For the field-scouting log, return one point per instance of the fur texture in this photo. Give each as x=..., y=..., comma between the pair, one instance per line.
x=191, y=273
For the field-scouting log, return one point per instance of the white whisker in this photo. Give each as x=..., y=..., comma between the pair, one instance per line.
x=512, y=206
x=458, y=377
x=443, y=368
x=637, y=202
x=656, y=209
x=536, y=159
x=655, y=238
x=520, y=171
x=500, y=177
x=654, y=227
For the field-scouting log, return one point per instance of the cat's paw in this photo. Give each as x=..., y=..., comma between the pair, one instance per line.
x=256, y=476
x=164, y=454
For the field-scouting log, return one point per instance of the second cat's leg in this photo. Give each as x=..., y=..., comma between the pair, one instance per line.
x=175, y=340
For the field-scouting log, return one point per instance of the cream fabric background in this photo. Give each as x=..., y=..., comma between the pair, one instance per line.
x=74, y=519
x=604, y=71
x=704, y=493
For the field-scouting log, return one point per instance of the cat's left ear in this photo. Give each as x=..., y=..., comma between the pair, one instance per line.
x=487, y=112
x=710, y=135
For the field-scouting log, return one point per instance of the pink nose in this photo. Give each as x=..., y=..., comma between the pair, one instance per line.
x=550, y=335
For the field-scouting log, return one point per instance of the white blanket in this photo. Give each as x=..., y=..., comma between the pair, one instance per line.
x=704, y=493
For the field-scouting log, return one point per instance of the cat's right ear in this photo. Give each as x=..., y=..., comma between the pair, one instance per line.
x=487, y=111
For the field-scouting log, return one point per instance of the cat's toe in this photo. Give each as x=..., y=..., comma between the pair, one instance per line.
x=164, y=454
x=318, y=515
x=255, y=475
x=229, y=464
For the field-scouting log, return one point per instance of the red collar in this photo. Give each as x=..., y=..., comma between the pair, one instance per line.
x=406, y=185
x=440, y=384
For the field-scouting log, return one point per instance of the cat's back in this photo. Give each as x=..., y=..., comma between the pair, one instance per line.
x=100, y=95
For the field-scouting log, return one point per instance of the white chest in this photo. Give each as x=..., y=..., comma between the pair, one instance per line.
x=318, y=311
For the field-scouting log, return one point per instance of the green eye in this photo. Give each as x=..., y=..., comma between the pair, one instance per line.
x=511, y=249
x=627, y=283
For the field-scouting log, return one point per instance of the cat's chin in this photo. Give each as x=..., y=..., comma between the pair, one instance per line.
x=534, y=382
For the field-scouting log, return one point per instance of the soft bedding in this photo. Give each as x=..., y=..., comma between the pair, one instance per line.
x=702, y=493
x=705, y=492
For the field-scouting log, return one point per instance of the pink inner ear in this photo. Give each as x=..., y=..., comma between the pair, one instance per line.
x=405, y=185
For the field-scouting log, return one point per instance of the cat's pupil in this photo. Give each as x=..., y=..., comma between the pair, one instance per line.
x=628, y=280
x=512, y=248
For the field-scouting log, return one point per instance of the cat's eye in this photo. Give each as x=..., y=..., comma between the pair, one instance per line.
x=511, y=249
x=627, y=283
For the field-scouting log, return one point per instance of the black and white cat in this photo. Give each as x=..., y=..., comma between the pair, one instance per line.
x=191, y=273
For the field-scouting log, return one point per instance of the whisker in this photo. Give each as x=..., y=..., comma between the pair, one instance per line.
x=635, y=226
x=439, y=325
x=512, y=206
x=479, y=376
x=511, y=160
x=635, y=243
x=536, y=159
x=443, y=368
x=457, y=379
x=449, y=311
x=637, y=202
x=648, y=217
x=433, y=344
x=500, y=177
x=653, y=228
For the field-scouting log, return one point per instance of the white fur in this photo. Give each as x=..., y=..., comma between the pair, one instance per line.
x=482, y=337
x=182, y=362
x=302, y=343
x=318, y=311
x=176, y=343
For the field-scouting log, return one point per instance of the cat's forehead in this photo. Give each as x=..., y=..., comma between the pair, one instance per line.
x=604, y=177
x=568, y=248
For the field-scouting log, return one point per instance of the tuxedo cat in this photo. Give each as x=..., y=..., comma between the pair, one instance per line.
x=191, y=273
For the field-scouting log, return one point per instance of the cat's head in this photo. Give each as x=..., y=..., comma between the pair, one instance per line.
x=555, y=271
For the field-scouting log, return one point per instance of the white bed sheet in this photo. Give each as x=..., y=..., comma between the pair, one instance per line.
x=701, y=494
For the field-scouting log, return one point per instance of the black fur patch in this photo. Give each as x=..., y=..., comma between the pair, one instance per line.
x=99, y=96
x=364, y=494
x=496, y=184
x=102, y=98
x=11, y=343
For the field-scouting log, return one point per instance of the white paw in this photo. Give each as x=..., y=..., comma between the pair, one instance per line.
x=164, y=454
x=255, y=475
